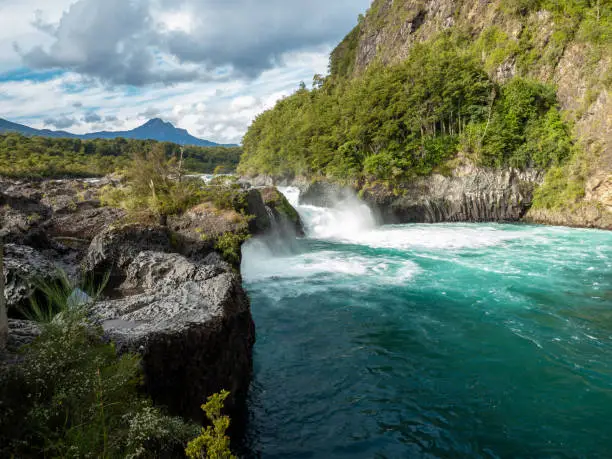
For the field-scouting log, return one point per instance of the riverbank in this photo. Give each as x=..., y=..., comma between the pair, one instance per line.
x=171, y=294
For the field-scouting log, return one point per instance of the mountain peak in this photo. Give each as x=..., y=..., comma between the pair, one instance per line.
x=154, y=129
x=157, y=122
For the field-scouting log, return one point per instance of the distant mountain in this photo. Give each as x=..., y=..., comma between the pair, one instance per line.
x=155, y=129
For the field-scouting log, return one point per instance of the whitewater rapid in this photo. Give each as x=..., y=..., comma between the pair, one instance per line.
x=350, y=221
x=444, y=340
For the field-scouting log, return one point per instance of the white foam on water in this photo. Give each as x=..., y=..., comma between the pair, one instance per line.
x=346, y=219
x=259, y=265
x=352, y=221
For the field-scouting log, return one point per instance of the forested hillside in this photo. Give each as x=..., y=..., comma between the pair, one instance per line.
x=22, y=156
x=420, y=87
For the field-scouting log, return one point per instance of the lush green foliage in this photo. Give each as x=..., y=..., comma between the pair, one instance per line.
x=72, y=397
x=51, y=298
x=395, y=122
x=229, y=245
x=50, y=157
x=154, y=184
x=212, y=443
x=563, y=187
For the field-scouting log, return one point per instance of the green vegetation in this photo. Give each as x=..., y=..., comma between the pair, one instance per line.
x=396, y=122
x=212, y=443
x=71, y=396
x=56, y=297
x=450, y=101
x=22, y=156
x=563, y=187
x=154, y=184
x=229, y=245
x=156, y=188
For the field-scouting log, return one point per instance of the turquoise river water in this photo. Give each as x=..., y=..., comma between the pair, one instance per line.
x=432, y=341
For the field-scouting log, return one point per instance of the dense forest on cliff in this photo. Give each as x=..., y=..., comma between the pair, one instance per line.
x=408, y=119
x=411, y=93
x=22, y=156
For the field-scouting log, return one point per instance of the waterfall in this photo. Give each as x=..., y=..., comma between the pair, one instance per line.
x=347, y=219
x=272, y=219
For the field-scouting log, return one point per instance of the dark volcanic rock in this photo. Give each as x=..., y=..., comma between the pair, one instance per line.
x=85, y=223
x=20, y=220
x=112, y=251
x=21, y=333
x=189, y=318
x=324, y=194
x=469, y=195
x=170, y=296
x=284, y=219
x=256, y=207
x=22, y=267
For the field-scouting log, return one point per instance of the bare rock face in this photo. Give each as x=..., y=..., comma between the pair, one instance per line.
x=23, y=266
x=170, y=298
x=469, y=195
x=188, y=318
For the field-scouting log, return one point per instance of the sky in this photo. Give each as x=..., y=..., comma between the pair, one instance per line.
x=208, y=66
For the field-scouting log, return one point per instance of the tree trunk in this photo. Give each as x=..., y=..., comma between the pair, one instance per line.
x=3, y=315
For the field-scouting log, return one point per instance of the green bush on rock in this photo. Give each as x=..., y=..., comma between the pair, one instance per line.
x=212, y=443
x=71, y=396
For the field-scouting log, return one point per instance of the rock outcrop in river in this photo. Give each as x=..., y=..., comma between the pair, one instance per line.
x=171, y=297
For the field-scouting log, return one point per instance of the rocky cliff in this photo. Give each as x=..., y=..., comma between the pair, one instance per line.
x=564, y=43
x=171, y=297
x=468, y=195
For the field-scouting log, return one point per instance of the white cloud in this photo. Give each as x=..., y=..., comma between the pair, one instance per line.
x=220, y=112
x=243, y=34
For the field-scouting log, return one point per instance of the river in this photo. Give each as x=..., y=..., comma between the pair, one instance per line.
x=449, y=340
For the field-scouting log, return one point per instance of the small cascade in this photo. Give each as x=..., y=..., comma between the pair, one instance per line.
x=346, y=220
x=272, y=219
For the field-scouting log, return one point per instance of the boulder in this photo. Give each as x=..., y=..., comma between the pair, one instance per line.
x=21, y=219
x=256, y=207
x=188, y=318
x=111, y=251
x=23, y=268
x=283, y=217
x=84, y=224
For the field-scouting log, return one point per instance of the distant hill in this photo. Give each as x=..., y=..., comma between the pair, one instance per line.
x=155, y=129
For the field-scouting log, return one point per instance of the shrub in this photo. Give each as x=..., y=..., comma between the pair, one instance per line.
x=70, y=396
x=212, y=443
x=50, y=298
x=229, y=245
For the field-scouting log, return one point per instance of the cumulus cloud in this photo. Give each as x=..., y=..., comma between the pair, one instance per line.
x=61, y=122
x=140, y=42
x=150, y=112
x=92, y=117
